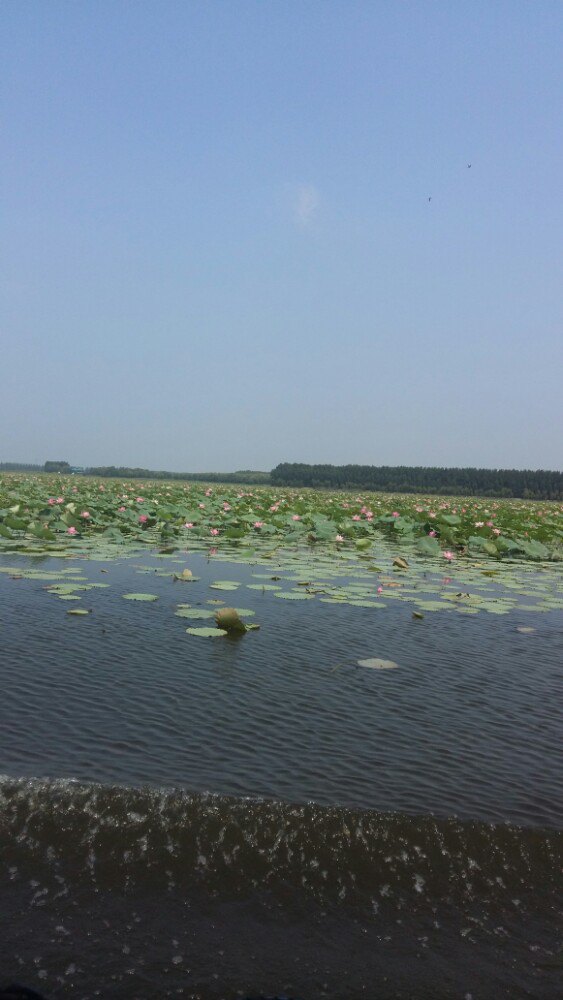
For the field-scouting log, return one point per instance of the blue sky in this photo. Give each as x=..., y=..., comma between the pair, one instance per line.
x=219, y=250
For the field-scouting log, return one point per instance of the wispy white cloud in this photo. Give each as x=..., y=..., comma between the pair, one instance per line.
x=306, y=204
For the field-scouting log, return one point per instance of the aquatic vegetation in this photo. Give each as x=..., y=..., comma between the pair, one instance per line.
x=228, y=619
x=365, y=553
x=82, y=514
x=374, y=663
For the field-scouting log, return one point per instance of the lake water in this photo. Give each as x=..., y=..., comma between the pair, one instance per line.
x=215, y=817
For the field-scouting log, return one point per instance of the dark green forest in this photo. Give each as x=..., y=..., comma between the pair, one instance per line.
x=20, y=467
x=525, y=484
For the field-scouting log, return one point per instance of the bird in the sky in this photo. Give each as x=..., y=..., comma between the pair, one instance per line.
x=468, y=165
x=430, y=199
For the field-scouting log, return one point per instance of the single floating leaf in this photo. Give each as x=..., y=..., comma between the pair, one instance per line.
x=140, y=597
x=186, y=576
x=193, y=613
x=374, y=663
x=290, y=596
x=77, y=611
x=206, y=633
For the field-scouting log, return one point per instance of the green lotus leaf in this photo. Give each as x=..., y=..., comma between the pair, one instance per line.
x=374, y=663
x=194, y=613
x=206, y=633
x=140, y=597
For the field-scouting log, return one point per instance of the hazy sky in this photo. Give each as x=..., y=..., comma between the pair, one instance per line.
x=219, y=250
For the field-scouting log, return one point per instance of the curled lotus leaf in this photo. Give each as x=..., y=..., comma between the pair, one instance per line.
x=228, y=619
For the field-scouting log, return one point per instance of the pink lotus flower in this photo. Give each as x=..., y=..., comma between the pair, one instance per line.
x=448, y=555
x=496, y=531
x=51, y=501
x=356, y=517
x=71, y=531
x=214, y=531
x=213, y=552
x=85, y=513
x=431, y=513
x=208, y=493
x=479, y=524
x=201, y=505
x=102, y=488
x=274, y=508
x=140, y=499
x=188, y=524
x=395, y=514
x=295, y=517
x=432, y=534
x=121, y=509
x=339, y=538
x=143, y=518
x=258, y=524
x=226, y=506
x=60, y=500
x=380, y=590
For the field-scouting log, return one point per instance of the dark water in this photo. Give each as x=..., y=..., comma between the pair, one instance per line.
x=123, y=892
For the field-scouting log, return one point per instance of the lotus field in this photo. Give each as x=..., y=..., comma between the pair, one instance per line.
x=75, y=512
x=433, y=553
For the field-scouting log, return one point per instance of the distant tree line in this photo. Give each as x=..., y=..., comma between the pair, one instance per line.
x=63, y=467
x=19, y=467
x=244, y=477
x=526, y=484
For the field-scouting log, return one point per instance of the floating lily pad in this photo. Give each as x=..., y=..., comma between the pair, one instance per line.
x=140, y=597
x=290, y=595
x=194, y=613
x=186, y=576
x=77, y=611
x=374, y=663
x=207, y=633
